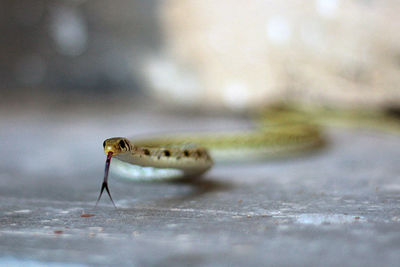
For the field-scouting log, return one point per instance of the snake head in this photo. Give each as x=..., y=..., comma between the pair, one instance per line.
x=117, y=145
x=112, y=147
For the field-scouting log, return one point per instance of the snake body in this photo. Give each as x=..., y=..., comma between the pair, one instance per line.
x=191, y=161
x=283, y=132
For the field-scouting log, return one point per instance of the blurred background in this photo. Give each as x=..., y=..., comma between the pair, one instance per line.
x=75, y=72
x=237, y=55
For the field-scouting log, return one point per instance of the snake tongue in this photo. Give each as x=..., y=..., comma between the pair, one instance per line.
x=105, y=181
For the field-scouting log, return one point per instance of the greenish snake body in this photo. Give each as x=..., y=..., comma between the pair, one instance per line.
x=283, y=132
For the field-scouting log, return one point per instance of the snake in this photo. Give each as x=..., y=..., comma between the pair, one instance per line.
x=282, y=131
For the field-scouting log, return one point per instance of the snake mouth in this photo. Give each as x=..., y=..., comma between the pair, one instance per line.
x=105, y=180
x=109, y=149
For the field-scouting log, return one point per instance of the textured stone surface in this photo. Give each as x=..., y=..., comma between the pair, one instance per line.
x=338, y=206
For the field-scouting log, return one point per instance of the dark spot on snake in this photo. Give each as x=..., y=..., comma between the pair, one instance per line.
x=393, y=111
x=122, y=144
x=167, y=153
x=146, y=152
x=186, y=153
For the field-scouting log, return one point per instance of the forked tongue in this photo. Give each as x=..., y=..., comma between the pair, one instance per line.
x=105, y=183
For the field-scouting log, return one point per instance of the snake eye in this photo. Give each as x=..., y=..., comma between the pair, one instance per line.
x=104, y=144
x=122, y=144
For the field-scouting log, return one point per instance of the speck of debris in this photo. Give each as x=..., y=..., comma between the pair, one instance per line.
x=58, y=232
x=85, y=215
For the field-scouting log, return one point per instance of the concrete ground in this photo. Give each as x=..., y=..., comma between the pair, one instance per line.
x=338, y=206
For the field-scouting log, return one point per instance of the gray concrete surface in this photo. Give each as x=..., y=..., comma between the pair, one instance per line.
x=338, y=206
